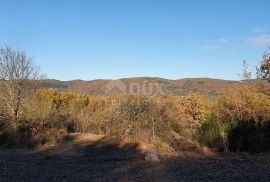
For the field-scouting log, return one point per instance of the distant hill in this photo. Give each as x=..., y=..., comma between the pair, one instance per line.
x=150, y=85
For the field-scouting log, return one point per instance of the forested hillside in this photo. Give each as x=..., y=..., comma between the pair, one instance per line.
x=181, y=87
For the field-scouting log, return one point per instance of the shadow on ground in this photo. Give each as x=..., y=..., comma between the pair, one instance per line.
x=107, y=159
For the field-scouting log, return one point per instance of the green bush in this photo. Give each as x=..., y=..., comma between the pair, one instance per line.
x=249, y=136
x=210, y=133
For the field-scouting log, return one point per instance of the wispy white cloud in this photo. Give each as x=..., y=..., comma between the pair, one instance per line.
x=263, y=39
x=231, y=43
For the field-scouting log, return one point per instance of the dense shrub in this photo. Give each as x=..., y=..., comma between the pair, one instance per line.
x=238, y=121
x=188, y=112
x=245, y=113
x=132, y=116
x=249, y=136
x=243, y=103
x=211, y=133
x=32, y=133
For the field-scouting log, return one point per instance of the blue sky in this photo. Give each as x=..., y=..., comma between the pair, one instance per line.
x=96, y=39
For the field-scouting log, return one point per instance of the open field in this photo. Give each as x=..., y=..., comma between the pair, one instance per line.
x=99, y=158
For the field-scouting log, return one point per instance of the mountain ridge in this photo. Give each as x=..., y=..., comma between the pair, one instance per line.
x=208, y=86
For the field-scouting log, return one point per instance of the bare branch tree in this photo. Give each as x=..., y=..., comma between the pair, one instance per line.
x=246, y=74
x=18, y=73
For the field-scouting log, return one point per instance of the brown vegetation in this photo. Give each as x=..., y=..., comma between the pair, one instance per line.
x=163, y=120
x=180, y=122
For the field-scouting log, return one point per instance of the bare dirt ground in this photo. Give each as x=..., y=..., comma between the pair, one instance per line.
x=105, y=159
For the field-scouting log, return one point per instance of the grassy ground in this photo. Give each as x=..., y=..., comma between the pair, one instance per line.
x=98, y=158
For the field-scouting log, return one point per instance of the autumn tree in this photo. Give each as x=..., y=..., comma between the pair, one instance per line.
x=263, y=70
x=17, y=74
x=196, y=106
